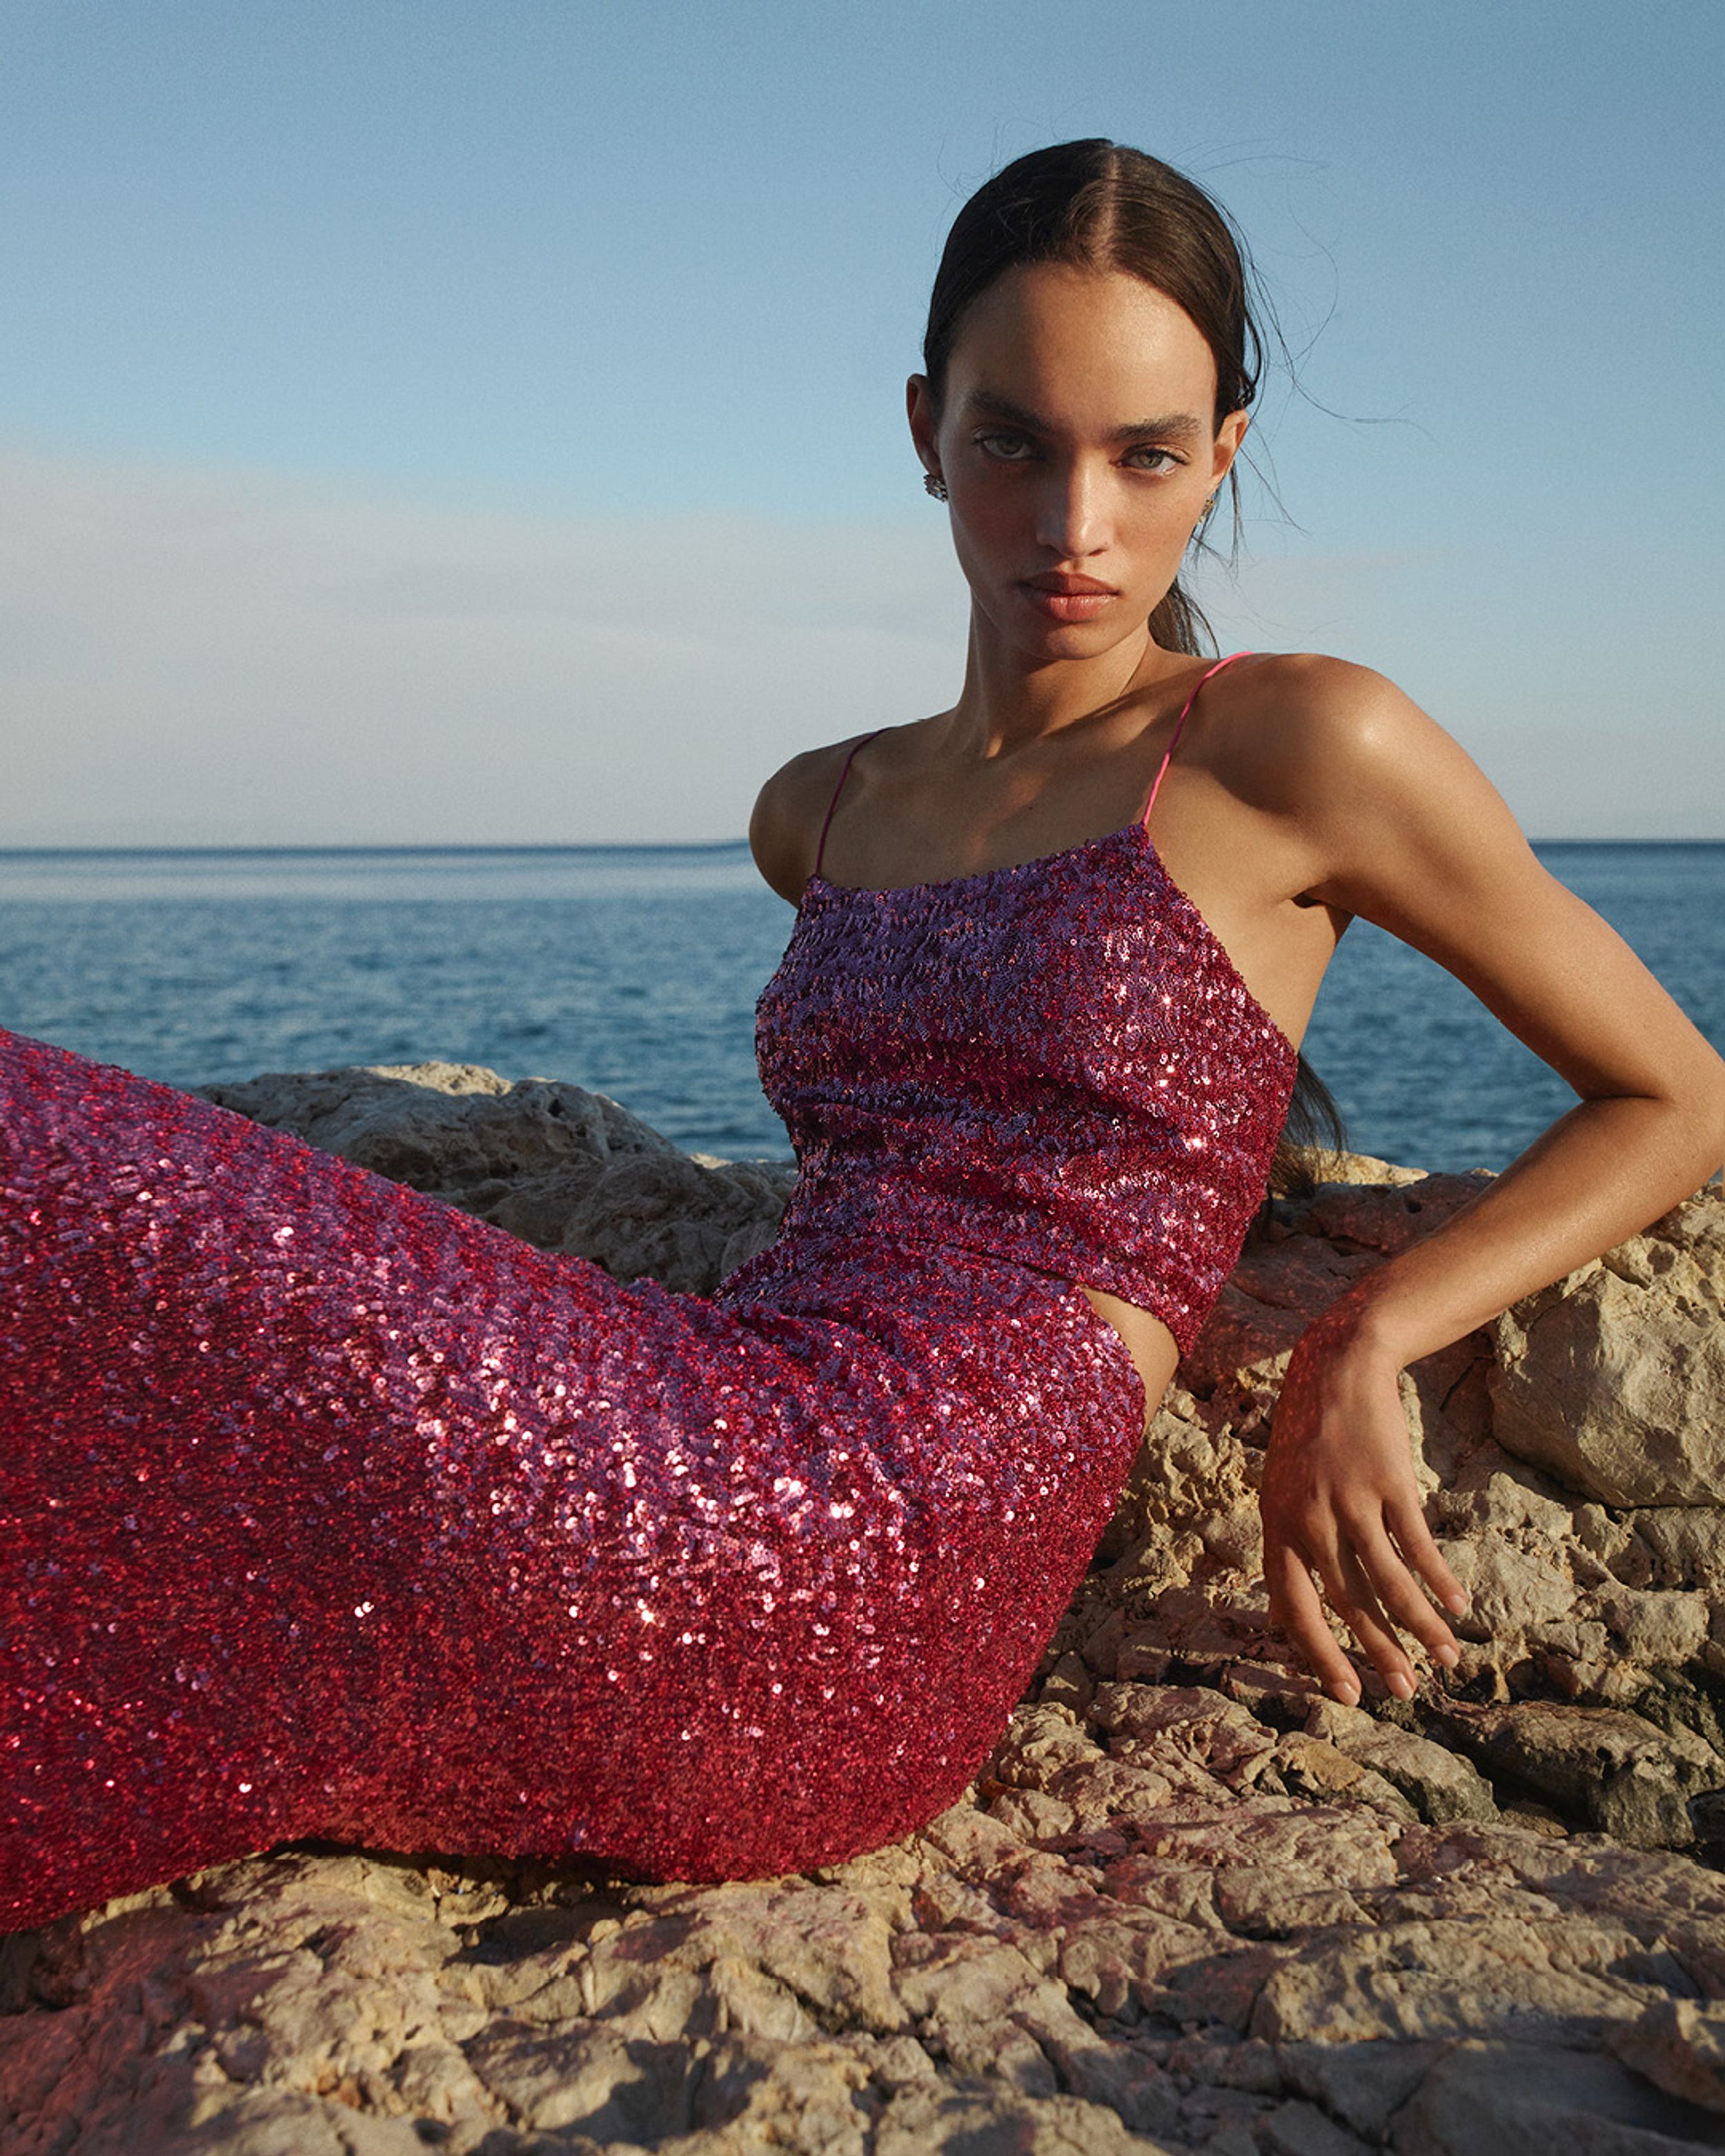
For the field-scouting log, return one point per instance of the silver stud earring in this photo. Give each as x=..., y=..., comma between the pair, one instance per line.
x=935, y=484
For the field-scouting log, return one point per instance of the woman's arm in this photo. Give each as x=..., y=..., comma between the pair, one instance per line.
x=1415, y=838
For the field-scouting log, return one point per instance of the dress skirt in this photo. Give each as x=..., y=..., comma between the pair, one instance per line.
x=328, y=1510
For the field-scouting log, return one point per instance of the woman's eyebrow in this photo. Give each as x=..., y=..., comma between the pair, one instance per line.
x=988, y=404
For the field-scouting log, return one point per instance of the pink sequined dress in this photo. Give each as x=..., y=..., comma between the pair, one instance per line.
x=328, y=1510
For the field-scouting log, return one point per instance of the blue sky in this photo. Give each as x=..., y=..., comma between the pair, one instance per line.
x=483, y=423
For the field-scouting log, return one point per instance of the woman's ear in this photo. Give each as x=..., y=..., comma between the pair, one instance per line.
x=1228, y=437
x=919, y=406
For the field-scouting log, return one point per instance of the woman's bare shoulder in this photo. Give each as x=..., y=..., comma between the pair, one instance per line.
x=1411, y=834
x=784, y=830
x=1391, y=806
x=1310, y=736
x=1317, y=699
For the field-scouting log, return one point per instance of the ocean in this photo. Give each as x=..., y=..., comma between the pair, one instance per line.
x=633, y=970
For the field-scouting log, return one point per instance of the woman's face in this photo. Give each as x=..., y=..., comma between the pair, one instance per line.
x=1078, y=442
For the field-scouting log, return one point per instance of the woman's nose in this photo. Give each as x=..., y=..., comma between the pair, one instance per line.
x=1073, y=512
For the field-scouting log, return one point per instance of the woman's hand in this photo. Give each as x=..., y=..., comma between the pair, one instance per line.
x=1340, y=1498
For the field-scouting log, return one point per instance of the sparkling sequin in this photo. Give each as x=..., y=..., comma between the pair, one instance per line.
x=1057, y=1061
x=326, y=1510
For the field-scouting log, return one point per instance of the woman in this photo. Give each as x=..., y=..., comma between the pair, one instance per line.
x=331, y=1511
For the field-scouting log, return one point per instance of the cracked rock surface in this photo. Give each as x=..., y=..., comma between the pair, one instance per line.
x=1190, y=1903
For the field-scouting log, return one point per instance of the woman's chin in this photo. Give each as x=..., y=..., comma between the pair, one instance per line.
x=1034, y=633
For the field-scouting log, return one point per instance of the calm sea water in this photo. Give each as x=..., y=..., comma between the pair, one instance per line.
x=633, y=971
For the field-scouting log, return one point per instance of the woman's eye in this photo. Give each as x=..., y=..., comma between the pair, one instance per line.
x=1007, y=448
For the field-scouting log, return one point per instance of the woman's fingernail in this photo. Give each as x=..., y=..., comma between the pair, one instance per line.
x=1348, y=1693
x=1456, y=1604
x=1400, y=1684
x=1448, y=1653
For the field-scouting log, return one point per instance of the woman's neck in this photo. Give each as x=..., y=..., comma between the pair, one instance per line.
x=1010, y=699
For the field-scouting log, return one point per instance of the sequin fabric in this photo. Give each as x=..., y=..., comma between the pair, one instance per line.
x=1057, y=1062
x=327, y=1511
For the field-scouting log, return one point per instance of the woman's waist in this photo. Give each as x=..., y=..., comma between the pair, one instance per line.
x=870, y=1274
x=888, y=1256
x=1163, y=1254
x=1147, y=1338
x=980, y=1315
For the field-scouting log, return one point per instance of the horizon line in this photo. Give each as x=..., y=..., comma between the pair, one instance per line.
x=394, y=846
x=355, y=847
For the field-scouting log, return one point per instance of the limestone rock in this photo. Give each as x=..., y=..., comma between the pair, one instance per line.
x=1440, y=1784
x=1517, y=2100
x=1621, y=1773
x=1679, y=2046
x=1612, y=1379
x=442, y=1126
x=563, y=1168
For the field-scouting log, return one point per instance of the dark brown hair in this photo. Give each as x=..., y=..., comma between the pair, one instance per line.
x=1098, y=205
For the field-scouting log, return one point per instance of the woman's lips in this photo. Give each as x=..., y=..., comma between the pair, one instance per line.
x=1068, y=599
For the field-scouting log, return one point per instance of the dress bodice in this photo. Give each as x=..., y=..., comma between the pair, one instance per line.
x=1055, y=1062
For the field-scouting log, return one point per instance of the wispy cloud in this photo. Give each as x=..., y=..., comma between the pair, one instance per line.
x=209, y=657
x=195, y=657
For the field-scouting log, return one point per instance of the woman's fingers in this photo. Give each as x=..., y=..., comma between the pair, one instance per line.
x=1350, y=1589
x=1407, y=1523
x=1338, y=1499
x=1371, y=1589
x=1295, y=1606
x=1404, y=1600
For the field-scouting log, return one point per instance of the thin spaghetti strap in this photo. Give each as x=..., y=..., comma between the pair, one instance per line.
x=820, y=850
x=1180, y=723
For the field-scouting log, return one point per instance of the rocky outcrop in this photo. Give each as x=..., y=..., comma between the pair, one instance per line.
x=1191, y=1904
x=563, y=1168
x=1135, y=1937
x=1592, y=1659
x=1612, y=1379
